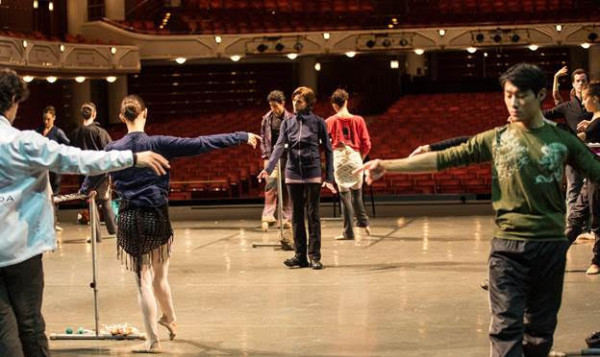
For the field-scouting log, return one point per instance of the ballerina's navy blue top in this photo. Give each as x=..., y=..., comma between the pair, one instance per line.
x=141, y=186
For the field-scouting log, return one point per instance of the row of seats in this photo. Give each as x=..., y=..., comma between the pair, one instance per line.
x=281, y=5
x=411, y=121
x=504, y=6
x=37, y=35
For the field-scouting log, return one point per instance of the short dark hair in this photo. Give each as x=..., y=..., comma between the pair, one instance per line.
x=308, y=95
x=276, y=96
x=525, y=76
x=49, y=109
x=13, y=89
x=132, y=106
x=87, y=109
x=579, y=71
x=339, y=97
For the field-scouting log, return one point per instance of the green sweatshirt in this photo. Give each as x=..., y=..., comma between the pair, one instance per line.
x=527, y=171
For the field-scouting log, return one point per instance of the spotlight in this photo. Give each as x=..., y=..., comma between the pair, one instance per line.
x=471, y=49
x=479, y=37
x=390, y=26
x=442, y=32
x=403, y=42
x=80, y=79
x=111, y=79
x=350, y=54
x=559, y=28
x=298, y=46
x=317, y=67
x=180, y=60
x=218, y=39
x=35, y=4
x=370, y=43
x=279, y=47
x=28, y=78
x=585, y=45
x=51, y=79
x=326, y=35
x=386, y=43
x=394, y=64
x=50, y=6
x=113, y=50
x=497, y=38
x=262, y=48
x=515, y=38
x=292, y=56
x=593, y=37
x=236, y=58
x=25, y=43
x=533, y=47
x=419, y=51
x=61, y=48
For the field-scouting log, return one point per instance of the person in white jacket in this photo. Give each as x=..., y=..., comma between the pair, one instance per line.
x=27, y=217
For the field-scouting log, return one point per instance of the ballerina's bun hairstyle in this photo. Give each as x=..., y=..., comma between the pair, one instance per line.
x=132, y=106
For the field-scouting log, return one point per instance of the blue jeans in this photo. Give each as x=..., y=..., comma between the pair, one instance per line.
x=22, y=326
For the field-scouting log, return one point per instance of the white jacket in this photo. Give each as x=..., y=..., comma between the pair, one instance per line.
x=26, y=209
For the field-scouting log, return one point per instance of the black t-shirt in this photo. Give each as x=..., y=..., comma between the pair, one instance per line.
x=592, y=132
x=275, y=128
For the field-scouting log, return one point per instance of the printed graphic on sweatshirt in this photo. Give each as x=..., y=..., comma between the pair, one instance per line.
x=509, y=155
x=552, y=163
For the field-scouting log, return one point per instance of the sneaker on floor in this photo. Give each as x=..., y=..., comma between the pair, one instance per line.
x=269, y=219
x=316, y=264
x=593, y=270
x=342, y=237
x=296, y=262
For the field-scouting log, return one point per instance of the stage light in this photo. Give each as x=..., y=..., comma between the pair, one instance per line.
x=262, y=48
x=218, y=39
x=279, y=47
x=61, y=48
x=317, y=67
x=419, y=51
x=515, y=38
x=533, y=47
x=51, y=6
x=326, y=35
x=111, y=79
x=592, y=37
x=80, y=79
x=180, y=60
x=559, y=28
x=479, y=37
x=394, y=64
x=292, y=56
x=236, y=58
x=442, y=32
x=350, y=54
x=471, y=49
x=51, y=79
x=370, y=43
x=113, y=50
x=28, y=78
x=585, y=45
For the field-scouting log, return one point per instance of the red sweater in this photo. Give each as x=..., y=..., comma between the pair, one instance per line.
x=349, y=131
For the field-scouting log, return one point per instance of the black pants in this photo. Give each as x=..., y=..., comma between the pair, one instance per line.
x=309, y=195
x=22, y=325
x=526, y=281
x=587, y=206
x=352, y=203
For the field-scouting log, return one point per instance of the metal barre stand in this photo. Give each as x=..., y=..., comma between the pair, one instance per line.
x=94, y=221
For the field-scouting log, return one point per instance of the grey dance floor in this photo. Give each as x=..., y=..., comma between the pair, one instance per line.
x=410, y=289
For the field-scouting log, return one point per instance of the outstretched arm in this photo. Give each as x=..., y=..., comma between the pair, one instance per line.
x=172, y=146
x=375, y=169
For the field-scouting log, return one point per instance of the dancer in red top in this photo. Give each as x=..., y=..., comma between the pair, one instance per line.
x=351, y=144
